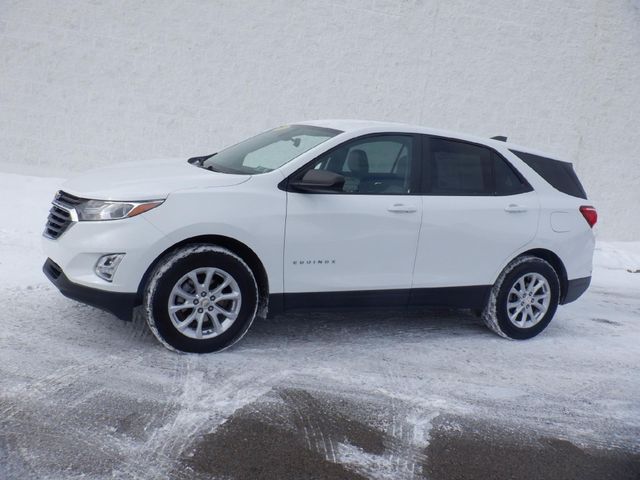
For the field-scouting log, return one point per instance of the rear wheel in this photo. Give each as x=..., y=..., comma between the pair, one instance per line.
x=524, y=299
x=201, y=299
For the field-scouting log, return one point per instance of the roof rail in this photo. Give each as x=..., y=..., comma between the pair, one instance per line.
x=499, y=138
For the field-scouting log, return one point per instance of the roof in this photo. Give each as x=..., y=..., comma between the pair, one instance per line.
x=370, y=126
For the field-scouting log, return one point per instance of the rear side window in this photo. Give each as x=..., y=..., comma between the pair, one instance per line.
x=559, y=175
x=456, y=168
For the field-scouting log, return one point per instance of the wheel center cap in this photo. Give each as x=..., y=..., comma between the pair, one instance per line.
x=206, y=302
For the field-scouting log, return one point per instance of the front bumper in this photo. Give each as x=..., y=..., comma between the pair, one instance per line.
x=78, y=249
x=118, y=303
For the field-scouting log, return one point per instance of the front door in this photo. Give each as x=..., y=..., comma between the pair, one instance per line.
x=356, y=245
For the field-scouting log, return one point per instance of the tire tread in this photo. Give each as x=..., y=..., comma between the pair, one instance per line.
x=167, y=263
x=490, y=314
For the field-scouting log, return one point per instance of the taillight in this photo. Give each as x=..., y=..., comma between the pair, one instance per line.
x=590, y=215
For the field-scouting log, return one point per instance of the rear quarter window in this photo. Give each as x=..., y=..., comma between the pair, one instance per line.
x=560, y=175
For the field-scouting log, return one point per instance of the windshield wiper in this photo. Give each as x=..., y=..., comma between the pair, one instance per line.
x=200, y=160
x=260, y=169
x=219, y=169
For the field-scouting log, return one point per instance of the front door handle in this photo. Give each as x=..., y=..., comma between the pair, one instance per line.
x=513, y=208
x=402, y=208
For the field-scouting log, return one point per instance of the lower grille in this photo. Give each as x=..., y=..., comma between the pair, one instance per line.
x=59, y=217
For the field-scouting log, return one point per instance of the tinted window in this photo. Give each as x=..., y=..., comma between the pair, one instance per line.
x=558, y=174
x=507, y=181
x=459, y=168
x=373, y=165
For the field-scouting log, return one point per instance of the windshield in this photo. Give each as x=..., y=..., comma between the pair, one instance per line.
x=267, y=151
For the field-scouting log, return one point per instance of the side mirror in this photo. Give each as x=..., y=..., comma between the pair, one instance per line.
x=319, y=181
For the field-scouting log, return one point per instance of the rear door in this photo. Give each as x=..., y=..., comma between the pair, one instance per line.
x=356, y=245
x=476, y=212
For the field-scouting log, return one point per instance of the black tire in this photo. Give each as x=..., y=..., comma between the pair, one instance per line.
x=495, y=314
x=169, y=271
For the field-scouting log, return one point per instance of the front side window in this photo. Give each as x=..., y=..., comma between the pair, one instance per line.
x=269, y=150
x=373, y=165
x=456, y=168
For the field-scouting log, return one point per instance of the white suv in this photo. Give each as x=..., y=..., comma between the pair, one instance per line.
x=332, y=213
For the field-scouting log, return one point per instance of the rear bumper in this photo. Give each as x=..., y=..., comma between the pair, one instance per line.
x=117, y=303
x=575, y=288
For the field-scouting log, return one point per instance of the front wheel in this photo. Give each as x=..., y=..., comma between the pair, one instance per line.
x=524, y=299
x=200, y=299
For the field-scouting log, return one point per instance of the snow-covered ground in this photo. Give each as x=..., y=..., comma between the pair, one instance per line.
x=83, y=394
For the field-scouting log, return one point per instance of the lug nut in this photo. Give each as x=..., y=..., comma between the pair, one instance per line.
x=212, y=298
x=200, y=310
x=210, y=309
x=196, y=301
x=204, y=294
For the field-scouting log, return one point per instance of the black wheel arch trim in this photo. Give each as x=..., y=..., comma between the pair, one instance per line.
x=239, y=248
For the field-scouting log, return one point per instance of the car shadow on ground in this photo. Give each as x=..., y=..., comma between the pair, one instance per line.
x=336, y=327
x=348, y=327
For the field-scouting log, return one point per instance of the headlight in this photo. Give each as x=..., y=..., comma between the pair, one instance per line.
x=92, y=210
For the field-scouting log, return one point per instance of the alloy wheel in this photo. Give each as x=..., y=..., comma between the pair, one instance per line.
x=204, y=303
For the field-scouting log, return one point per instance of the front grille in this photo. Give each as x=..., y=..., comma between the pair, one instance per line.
x=60, y=214
x=67, y=200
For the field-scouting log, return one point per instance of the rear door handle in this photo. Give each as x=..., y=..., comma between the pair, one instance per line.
x=402, y=208
x=513, y=208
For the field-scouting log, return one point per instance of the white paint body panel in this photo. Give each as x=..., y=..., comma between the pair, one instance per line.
x=252, y=212
x=447, y=241
x=463, y=238
x=364, y=245
x=146, y=180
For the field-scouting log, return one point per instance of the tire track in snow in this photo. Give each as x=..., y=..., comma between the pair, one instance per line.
x=54, y=383
x=344, y=440
x=407, y=427
x=70, y=383
x=305, y=408
x=200, y=409
x=407, y=422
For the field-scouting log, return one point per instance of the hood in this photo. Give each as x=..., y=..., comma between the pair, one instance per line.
x=146, y=180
